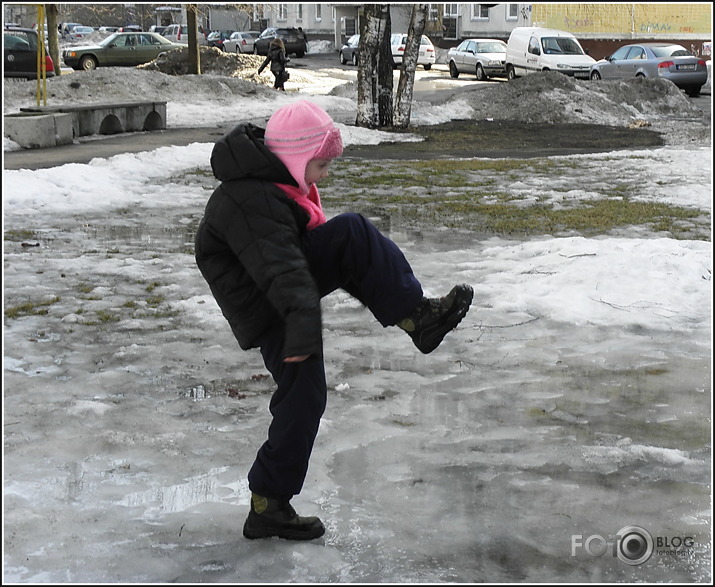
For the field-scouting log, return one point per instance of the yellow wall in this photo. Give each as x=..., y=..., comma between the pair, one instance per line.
x=627, y=20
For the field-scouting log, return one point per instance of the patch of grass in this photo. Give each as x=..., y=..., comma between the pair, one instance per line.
x=20, y=235
x=155, y=300
x=30, y=309
x=462, y=194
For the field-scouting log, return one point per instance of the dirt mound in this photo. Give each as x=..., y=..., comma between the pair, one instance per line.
x=551, y=97
x=213, y=61
x=216, y=62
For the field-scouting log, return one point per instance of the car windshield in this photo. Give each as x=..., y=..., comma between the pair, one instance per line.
x=491, y=48
x=561, y=45
x=402, y=40
x=20, y=41
x=671, y=51
x=110, y=39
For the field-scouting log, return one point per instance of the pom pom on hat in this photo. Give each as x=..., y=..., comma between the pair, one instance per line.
x=299, y=132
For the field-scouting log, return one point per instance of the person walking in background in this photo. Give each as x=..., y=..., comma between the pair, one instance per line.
x=269, y=255
x=278, y=59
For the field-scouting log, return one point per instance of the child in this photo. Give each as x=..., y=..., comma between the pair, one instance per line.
x=269, y=255
x=277, y=58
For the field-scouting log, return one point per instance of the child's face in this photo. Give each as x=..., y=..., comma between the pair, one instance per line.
x=316, y=170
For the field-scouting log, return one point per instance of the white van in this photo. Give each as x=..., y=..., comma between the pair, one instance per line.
x=179, y=33
x=533, y=49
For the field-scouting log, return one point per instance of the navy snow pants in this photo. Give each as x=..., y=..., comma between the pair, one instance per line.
x=346, y=252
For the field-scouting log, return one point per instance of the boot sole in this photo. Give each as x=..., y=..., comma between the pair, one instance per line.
x=287, y=534
x=430, y=338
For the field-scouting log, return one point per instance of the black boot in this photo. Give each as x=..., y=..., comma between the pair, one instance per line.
x=434, y=318
x=272, y=517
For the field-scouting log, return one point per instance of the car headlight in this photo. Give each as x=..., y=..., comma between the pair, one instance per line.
x=492, y=63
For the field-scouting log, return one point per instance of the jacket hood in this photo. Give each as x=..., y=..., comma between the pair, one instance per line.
x=241, y=154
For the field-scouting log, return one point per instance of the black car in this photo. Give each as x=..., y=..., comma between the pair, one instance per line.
x=216, y=39
x=292, y=38
x=350, y=51
x=20, y=54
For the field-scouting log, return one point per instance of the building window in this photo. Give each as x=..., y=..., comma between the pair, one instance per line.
x=480, y=12
x=433, y=12
x=451, y=10
x=318, y=12
x=512, y=12
x=299, y=12
x=282, y=12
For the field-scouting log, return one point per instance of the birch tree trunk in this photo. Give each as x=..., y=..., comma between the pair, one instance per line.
x=374, y=105
x=405, y=86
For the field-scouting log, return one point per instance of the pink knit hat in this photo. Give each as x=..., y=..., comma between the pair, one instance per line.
x=299, y=132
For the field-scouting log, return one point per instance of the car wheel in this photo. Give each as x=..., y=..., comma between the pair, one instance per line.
x=453, y=71
x=693, y=91
x=510, y=73
x=255, y=50
x=299, y=54
x=343, y=61
x=427, y=66
x=88, y=63
x=355, y=59
x=481, y=76
x=595, y=76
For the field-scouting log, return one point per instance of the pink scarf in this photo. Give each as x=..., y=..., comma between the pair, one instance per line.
x=310, y=203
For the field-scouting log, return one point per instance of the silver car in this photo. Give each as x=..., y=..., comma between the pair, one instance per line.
x=241, y=42
x=481, y=57
x=671, y=62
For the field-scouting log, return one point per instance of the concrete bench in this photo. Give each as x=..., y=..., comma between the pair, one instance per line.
x=108, y=119
x=34, y=130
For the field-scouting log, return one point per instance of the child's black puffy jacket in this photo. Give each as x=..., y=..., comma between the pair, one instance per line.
x=248, y=247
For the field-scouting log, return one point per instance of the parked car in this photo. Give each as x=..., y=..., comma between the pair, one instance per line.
x=20, y=54
x=119, y=49
x=157, y=28
x=672, y=62
x=79, y=32
x=241, y=42
x=482, y=57
x=427, y=55
x=350, y=51
x=65, y=28
x=179, y=33
x=108, y=29
x=217, y=39
x=130, y=28
x=532, y=49
x=292, y=38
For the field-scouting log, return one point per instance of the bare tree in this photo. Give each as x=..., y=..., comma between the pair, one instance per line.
x=194, y=57
x=53, y=42
x=403, y=100
x=374, y=105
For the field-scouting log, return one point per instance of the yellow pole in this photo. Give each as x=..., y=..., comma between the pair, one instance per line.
x=41, y=63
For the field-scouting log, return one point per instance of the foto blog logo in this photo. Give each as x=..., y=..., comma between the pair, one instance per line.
x=632, y=545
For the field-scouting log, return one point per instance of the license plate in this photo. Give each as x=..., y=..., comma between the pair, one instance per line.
x=686, y=67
